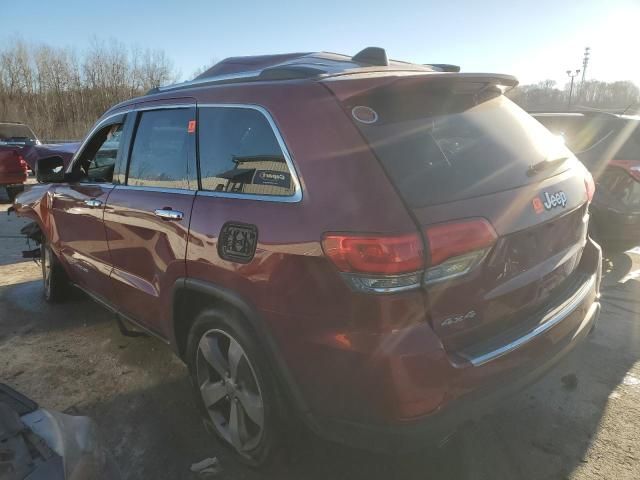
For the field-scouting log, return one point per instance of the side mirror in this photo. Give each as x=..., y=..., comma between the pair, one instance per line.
x=50, y=169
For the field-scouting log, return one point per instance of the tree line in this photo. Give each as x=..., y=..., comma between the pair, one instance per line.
x=592, y=94
x=60, y=92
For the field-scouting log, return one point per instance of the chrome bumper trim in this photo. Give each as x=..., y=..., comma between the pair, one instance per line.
x=554, y=319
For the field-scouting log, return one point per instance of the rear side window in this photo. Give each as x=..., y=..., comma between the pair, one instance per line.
x=15, y=133
x=619, y=189
x=161, y=149
x=102, y=162
x=239, y=153
x=439, y=146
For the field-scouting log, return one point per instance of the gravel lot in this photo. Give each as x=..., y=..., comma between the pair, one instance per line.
x=72, y=358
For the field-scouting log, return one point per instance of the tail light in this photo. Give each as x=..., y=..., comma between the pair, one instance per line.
x=589, y=186
x=385, y=264
x=632, y=167
x=456, y=248
x=377, y=264
x=23, y=164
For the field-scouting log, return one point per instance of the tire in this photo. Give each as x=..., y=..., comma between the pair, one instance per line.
x=11, y=194
x=13, y=191
x=233, y=387
x=54, y=278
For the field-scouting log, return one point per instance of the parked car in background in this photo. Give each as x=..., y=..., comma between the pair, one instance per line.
x=13, y=171
x=20, y=149
x=374, y=248
x=609, y=146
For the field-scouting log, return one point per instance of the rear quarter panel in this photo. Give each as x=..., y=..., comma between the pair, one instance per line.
x=299, y=294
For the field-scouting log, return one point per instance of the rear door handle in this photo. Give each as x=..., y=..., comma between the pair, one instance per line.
x=93, y=203
x=169, y=214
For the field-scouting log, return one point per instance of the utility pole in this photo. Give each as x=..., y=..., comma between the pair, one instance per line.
x=572, y=75
x=585, y=62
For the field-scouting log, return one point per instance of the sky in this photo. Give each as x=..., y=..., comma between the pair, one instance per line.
x=534, y=40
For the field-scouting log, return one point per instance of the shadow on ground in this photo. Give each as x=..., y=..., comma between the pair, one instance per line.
x=71, y=357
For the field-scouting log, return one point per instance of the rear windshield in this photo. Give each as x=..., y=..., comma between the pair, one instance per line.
x=440, y=147
x=16, y=134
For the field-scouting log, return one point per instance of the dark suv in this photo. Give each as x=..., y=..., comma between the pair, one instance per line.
x=372, y=247
x=609, y=146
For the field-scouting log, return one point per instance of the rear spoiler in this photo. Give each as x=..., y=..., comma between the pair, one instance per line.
x=346, y=86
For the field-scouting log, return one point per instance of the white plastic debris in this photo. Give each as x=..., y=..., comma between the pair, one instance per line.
x=207, y=467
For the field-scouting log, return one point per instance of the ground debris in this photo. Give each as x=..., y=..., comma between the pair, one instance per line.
x=207, y=468
x=570, y=381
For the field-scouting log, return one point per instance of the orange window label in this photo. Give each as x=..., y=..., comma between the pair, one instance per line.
x=192, y=126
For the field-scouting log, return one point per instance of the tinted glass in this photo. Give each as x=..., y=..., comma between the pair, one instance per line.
x=481, y=147
x=239, y=153
x=16, y=134
x=618, y=189
x=160, y=153
x=102, y=163
x=630, y=135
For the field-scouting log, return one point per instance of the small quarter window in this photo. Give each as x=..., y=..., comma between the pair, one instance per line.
x=239, y=153
x=97, y=161
x=160, y=153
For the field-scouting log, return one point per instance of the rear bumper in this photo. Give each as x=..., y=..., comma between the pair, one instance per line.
x=468, y=389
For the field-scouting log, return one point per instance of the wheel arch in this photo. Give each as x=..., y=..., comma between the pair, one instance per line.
x=191, y=296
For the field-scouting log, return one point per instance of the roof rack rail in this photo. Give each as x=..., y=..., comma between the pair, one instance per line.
x=444, y=67
x=227, y=78
x=290, y=72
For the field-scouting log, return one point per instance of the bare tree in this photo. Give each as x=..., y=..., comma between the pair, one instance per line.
x=60, y=92
x=612, y=96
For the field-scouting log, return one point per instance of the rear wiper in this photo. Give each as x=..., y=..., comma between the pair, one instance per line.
x=544, y=164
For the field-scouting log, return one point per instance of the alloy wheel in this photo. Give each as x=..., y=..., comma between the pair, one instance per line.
x=230, y=390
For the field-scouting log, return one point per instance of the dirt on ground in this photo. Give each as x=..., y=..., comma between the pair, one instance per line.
x=580, y=422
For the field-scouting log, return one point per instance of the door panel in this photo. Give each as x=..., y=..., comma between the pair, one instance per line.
x=147, y=220
x=80, y=236
x=148, y=251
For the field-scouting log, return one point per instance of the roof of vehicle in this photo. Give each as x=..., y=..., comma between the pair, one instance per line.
x=315, y=66
x=302, y=65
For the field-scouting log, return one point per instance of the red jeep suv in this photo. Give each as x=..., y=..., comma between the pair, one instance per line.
x=375, y=248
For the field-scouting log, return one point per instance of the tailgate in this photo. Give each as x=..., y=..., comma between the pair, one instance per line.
x=500, y=200
x=534, y=259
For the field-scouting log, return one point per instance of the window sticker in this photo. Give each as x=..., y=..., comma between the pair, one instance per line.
x=272, y=177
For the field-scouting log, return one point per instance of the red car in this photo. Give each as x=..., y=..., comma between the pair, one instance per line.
x=374, y=248
x=13, y=166
x=19, y=151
